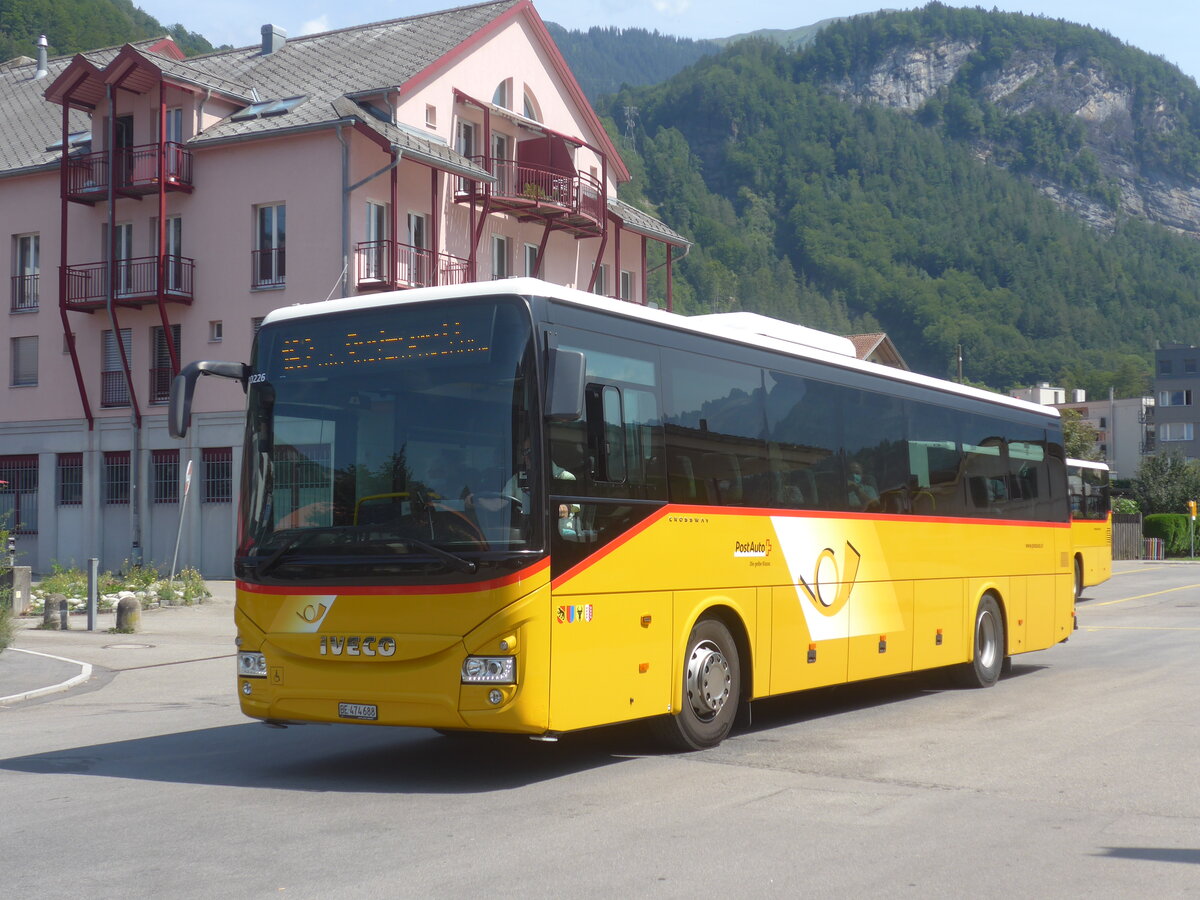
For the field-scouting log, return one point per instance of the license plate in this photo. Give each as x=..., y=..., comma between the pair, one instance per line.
x=358, y=711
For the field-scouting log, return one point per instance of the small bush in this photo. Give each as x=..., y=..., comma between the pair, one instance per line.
x=6, y=623
x=1124, y=506
x=1172, y=529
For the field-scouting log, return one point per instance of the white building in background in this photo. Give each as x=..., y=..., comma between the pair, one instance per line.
x=1124, y=428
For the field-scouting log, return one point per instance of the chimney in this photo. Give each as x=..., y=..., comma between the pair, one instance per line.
x=43, y=68
x=273, y=38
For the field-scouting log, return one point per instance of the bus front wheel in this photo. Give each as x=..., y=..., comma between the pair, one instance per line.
x=711, y=690
x=987, y=655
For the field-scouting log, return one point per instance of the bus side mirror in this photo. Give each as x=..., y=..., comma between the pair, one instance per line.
x=564, y=385
x=179, y=416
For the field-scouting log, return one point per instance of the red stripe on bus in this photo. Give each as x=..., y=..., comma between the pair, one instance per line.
x=726, y=511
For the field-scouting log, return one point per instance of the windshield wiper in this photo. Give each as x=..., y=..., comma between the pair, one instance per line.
x=455, y=561
x=291, y=544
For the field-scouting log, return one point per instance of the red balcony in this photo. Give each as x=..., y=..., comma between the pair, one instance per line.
x=139, y=170
x=24, y=292
x=414, y=267
x=573, y=201
x=135, y=282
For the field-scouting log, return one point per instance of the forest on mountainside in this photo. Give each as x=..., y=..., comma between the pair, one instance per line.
x=603, y=59
x=72, y=26
x=854, y=217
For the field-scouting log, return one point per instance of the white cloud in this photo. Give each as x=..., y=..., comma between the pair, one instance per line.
x=672, y=7
x=315, y=26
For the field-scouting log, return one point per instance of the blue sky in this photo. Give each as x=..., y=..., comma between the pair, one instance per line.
x=1167, y=28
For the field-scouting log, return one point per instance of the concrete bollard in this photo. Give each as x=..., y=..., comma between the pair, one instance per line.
x=50, y=615
x=129, y=615
x=64, y=615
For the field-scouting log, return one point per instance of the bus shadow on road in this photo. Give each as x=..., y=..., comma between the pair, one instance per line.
x=334, y=758
x=819, y=703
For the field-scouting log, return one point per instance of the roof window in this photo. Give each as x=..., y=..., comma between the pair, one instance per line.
x=74, y=139
x=266, y=108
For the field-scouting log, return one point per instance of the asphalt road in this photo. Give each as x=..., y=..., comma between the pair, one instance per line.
x=1077, y=775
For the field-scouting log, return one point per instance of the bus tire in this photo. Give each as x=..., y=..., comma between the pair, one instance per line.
x=1078, y=578
x=711, y=690
x=987, y=646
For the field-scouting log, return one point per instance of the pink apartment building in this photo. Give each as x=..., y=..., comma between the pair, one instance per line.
x=154, y=208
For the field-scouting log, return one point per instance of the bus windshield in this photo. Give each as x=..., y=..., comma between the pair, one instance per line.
x=390, y=442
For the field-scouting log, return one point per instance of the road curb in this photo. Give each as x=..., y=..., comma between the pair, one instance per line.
x=84, y=674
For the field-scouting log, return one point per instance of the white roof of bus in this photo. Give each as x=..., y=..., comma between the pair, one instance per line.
x=743, y=328
x=1088, y=464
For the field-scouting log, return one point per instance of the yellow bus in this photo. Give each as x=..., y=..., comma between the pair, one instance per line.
x=1091, y=523
x=516, y=507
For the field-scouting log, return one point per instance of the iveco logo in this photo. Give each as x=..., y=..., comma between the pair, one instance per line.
x=357, y=645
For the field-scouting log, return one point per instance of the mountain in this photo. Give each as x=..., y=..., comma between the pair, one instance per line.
x=71, y=26
x=602, y=59
x=1023, y=187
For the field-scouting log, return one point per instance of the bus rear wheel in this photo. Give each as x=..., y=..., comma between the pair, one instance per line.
x=987, y=653
x=711, y=690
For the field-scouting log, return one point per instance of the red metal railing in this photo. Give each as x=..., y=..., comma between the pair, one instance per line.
x=138, y=170
x=132, y=279
x=414, y=266
x=575, y=193
x=24, y=292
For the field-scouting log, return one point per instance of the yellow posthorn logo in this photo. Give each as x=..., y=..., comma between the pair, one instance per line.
x=831, y=585
x=311, y=613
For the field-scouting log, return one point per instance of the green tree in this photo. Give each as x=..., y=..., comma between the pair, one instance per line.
x=1165, y=482
x=1079, y=436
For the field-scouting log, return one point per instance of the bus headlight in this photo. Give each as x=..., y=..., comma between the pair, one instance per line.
x=489, y=670
x=252, y=665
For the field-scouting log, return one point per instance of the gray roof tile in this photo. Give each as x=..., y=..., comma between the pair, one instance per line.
x=320, y=67
x=636, y=220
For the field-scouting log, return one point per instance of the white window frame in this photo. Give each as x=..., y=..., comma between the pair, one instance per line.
x=625, y=291
x=531, y=254
x=1167, y=398
x=270, y=235
x=601, y=286
x=500, y=257
x=27, y=263
x=1169, y=432
x=216, y=331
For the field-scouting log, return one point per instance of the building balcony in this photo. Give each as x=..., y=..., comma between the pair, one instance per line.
x=574, y=202
x=135, y=282
x=388, y=265
x=24, y=293
x=139, y=170
x=268, y=268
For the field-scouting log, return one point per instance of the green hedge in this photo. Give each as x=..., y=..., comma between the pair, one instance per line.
x=1173, y=529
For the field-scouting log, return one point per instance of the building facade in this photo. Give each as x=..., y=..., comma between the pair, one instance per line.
x=1125, y=431
x=1125, y=428
x=1177, y=393
x=156, y=207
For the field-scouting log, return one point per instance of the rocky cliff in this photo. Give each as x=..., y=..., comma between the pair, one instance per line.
x=1114, y=121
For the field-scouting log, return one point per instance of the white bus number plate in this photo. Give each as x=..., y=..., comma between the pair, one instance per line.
x=358, y=711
